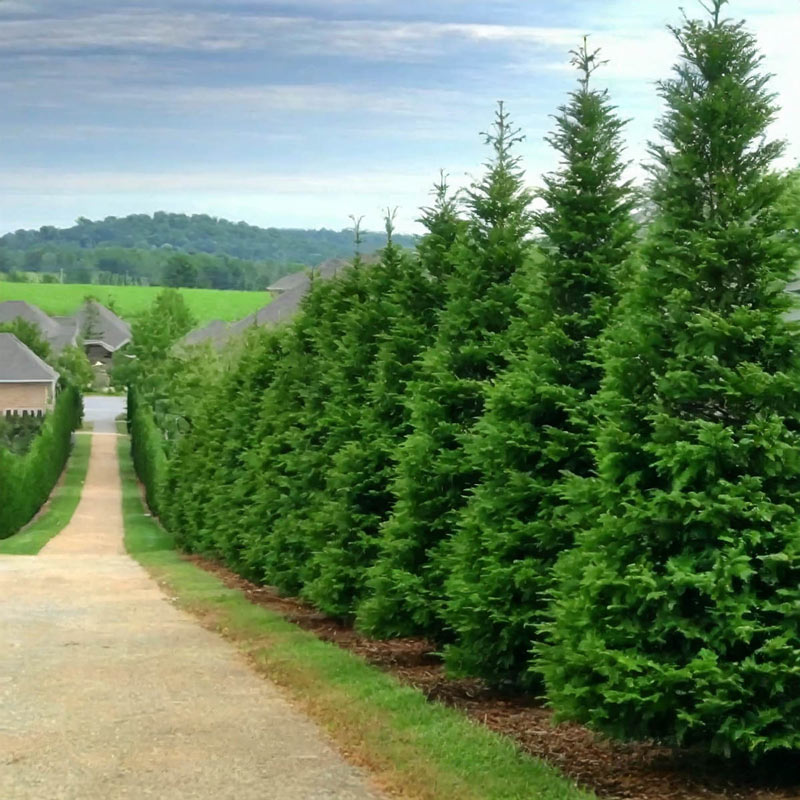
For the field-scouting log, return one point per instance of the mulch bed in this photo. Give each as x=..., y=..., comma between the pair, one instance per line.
x=644, y=771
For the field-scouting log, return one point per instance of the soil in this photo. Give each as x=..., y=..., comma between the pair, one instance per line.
x=644, y=771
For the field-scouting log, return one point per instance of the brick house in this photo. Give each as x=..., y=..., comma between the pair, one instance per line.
x=27, y=384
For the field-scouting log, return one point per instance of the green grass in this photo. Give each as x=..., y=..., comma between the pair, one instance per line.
x=64, y=299
x=31, y=539
x=416, y=749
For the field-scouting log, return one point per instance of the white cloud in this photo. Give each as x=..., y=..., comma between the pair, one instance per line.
x=209, y=31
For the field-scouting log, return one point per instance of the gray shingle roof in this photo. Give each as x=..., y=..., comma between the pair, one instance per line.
x=215, y=330
x=297, y=279
x=19, y=364
x=54, y=330
x=109, y=329
x=292, y=290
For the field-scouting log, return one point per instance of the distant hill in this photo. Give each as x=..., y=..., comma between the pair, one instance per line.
x=199, y=233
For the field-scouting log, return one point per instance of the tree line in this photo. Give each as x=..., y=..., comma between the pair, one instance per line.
x=173, y=250
x=573, y=462
x=119, y=266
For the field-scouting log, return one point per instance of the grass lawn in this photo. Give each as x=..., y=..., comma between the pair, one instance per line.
x=63, y=299
x=415, y=749
x=63, y=502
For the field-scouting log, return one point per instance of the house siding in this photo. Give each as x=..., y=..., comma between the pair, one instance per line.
x=18, y=397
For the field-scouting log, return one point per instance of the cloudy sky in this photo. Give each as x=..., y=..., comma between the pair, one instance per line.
x=299, y=113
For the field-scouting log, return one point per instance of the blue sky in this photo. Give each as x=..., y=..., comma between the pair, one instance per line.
x=302, y=113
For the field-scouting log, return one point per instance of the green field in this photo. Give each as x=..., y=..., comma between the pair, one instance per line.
x=128, y=301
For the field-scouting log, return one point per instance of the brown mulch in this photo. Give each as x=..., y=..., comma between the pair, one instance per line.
x=642, y=771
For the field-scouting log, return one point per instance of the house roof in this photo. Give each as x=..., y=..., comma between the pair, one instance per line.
x=106, y=328
x=57, y=332
x=19, y=364
x=215, y=330
x=282, y=308
x=324, y=270
x=292, y=290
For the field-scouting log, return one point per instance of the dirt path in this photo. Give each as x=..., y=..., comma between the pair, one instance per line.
x=108, y=691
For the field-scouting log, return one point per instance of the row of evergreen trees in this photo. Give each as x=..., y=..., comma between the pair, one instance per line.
x=574, y=464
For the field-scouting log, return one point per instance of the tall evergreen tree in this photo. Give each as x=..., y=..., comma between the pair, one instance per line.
x=398, y=322
x=285, y=471
x=469, y=350
x=676, y=615
x=538, y=426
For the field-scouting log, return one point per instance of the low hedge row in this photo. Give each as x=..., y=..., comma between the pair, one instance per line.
x=27, y=480
x=147, y=449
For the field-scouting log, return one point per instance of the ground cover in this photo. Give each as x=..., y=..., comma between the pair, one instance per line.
x=638, y=770
x=415, y=749
x=128, y=301
x=59, y=509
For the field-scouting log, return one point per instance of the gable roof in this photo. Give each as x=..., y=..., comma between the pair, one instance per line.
x=19, y=364
x=292, y=288
x=110, y=331
x=56, y=332
x=302, y=278
x=213, y=331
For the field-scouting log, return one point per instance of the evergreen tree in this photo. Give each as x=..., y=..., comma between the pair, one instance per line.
x=676, y=614
x=207, y=460
x=283, y=474
x=394, y=326
x=469, y=350
x=538, y=424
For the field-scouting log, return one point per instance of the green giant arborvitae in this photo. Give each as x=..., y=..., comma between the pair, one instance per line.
x=676, y=616
x=537, y=430
x=447, y=398
x=396, y=323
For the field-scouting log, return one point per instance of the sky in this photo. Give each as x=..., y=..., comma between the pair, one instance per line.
x=301, y=113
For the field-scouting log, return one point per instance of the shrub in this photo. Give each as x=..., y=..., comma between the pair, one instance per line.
x=147, y=449
x=26, y=480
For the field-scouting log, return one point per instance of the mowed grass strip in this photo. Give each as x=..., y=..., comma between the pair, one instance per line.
x=62, y=504
x=412, y=748
x=63, y=299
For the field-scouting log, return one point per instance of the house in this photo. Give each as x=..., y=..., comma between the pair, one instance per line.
x=60, y=332
x=102, y=331
x=27, y=384
x=288, y=292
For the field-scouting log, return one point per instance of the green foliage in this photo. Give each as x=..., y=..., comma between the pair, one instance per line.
x=483, y=442
x=61, y=506
x=26, y=480
x=17, y=432
x=30, y=335
x=198, y=233
x=147, y=449
x=152, y=335
x=676, y=616
x=180, y=271
x=74, y=368
x=445, y=402
x=140, y=249
x=385, y=333
x=537, y=432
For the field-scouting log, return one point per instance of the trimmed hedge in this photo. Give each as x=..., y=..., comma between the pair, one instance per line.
x=27, y=480
x=147, y=449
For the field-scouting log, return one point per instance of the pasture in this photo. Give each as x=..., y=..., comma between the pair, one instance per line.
x=63, y=299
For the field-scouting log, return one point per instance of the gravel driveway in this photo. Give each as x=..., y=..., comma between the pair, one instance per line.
x=108, y=691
